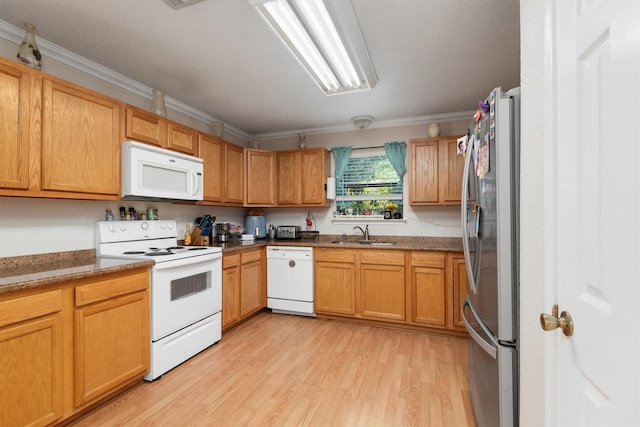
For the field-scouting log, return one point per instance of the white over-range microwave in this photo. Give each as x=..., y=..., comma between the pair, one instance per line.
x=151, y=173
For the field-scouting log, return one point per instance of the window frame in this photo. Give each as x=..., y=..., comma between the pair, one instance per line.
x=360, y=153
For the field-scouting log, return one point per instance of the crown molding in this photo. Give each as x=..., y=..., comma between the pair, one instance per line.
x=408, y=121
x=51, y=50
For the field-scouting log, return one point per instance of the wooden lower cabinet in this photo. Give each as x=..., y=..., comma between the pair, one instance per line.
x=64, y=349
x=428, y=289
x=230, y=290
x=366, y=284
x=460, y=280
x=253, y=289
x=335, y=281
x=31, y=359
x=414, y=288
x=382, y=285
x=244, y=290
x=111, y=336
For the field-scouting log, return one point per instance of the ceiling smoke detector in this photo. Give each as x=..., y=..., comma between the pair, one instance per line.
x=179, y=4
x=362, y=122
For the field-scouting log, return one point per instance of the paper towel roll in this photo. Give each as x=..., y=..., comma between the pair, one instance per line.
x=331, y=188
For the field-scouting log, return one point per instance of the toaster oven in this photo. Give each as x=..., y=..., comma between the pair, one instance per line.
x=288, y=232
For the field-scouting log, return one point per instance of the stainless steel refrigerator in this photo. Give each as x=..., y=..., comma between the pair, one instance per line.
x=490, y=203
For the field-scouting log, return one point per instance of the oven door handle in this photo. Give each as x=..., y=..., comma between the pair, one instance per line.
x=190, y=261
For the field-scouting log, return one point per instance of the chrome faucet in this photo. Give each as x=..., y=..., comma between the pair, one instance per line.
x=365, y=231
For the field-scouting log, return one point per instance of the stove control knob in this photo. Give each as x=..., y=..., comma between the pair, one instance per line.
x=123, y=227
x=145, y=225
x=162, y=225
x=113, y=228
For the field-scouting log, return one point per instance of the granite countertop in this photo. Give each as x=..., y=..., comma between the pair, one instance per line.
x=411, y=243
x=24, y=272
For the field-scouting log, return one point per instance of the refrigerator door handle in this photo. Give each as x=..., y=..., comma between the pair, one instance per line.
x=464, y=215
x=491, y=350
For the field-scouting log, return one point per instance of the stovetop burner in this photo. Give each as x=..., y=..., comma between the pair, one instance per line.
x=144, y=240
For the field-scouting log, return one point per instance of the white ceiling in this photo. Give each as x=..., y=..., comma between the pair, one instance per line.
x=432, y=57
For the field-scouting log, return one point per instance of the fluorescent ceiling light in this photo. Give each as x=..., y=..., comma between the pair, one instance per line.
x=325, y=38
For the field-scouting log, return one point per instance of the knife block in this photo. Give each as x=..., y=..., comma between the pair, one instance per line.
x=197, y=239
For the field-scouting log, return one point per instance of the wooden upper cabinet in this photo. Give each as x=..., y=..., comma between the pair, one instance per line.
x=315, y=168
x=451, y=168
x=260, y=172
x=81, y=135
x=223, y=171
x=15, y=114
x=288, y=184
x=234, y=174
x=435, y=171
x=182, y=138
x=302, y=176
x=423, y=168
x=150, y=128
x=211, y=150
x=147, y=127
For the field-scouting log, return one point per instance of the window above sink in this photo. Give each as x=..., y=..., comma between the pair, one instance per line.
x=370, y=189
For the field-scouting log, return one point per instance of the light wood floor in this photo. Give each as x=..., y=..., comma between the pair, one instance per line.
x=282, y=370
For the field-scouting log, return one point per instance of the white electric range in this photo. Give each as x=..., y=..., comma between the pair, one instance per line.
x=186, y=287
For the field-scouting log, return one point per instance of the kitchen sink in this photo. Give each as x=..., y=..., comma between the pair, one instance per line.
x=364, y=242
x=375, y=243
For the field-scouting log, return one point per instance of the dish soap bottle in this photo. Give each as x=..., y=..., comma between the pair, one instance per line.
x=187, y=234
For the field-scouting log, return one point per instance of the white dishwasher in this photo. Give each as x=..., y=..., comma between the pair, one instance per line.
x=290, y=280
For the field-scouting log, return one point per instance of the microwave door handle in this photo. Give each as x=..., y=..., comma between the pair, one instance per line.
x=194, y=183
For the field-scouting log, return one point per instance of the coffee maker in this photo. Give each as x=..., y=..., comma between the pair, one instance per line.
x=222, y=231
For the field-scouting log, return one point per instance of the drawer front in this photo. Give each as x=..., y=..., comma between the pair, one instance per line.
x=230, y=260
x=428, y=259
x=335, y=255
x=388, y=257
x=112, y=286
x=250, y=256
x=19, y=309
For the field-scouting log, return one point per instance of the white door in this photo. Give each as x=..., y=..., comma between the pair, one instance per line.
x=597, y=212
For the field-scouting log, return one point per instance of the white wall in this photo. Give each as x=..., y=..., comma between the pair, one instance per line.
x=33, y=226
